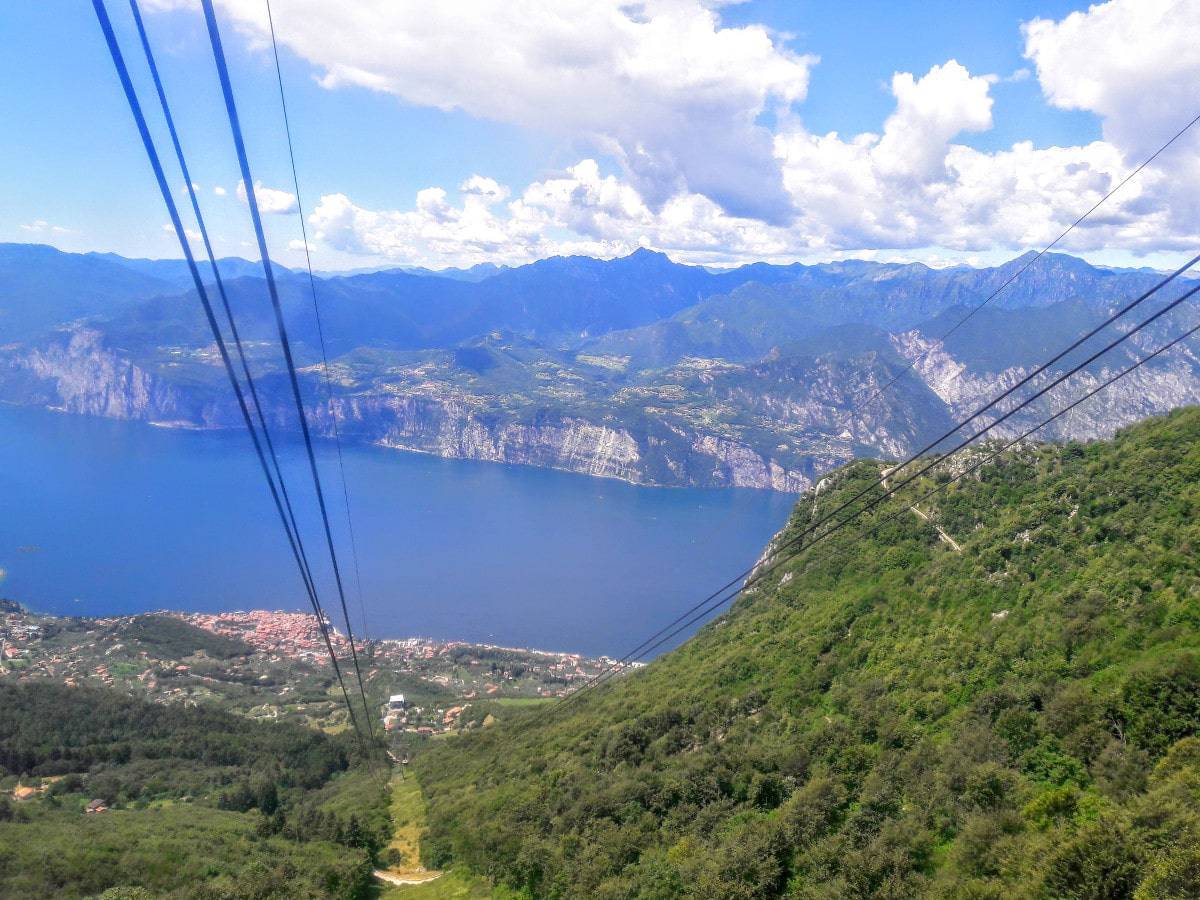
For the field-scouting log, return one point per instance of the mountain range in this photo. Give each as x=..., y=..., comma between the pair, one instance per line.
x=637, y=368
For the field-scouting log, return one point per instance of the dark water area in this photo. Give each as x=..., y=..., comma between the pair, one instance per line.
x=101, y=517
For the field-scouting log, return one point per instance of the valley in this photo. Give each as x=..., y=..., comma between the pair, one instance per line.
x=599, y=450
x=991, y=695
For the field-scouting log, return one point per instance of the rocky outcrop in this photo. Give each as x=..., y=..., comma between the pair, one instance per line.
x=79, y=374
x=456, y=429
x=1156, y=388
x=774, y=426
x=739, y=466
x=89, y=379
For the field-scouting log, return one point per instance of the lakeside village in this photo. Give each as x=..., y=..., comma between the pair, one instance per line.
x=274, y=664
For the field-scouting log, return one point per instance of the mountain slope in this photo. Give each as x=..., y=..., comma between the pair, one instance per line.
x=887, y=717
x=636, y=368
x=200, y=803
x=41, y=287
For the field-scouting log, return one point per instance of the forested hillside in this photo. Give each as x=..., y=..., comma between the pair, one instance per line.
x=887, y=717
x=197, y=802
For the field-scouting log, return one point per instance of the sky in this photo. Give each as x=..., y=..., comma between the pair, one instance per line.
x=720, y=133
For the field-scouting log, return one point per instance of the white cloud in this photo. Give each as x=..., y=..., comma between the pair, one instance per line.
x=660, y=85
x=1134, y=63
x=192, y=233
x=908, y=188
x=930, y=111
x=270, y=200
x=677, y=100
x=41, y=226
x=220, y=191
x=486, y=189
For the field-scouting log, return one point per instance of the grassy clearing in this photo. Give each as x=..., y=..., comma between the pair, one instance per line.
x=523, y=701
x=408, y=818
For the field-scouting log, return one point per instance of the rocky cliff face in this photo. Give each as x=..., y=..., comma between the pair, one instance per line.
x=457, y=430
x=79, y=374
x=1153, y=389
x=777, y=425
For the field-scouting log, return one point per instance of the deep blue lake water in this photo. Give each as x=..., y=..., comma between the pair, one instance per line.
x=101, y=517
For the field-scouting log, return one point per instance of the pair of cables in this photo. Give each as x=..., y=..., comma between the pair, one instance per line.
x=797, y=543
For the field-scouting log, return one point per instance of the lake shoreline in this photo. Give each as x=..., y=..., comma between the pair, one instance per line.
x=130, y=518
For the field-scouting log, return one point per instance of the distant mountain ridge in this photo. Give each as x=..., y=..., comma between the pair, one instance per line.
x=637, y=368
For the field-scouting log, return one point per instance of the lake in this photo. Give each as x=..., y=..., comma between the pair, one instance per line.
x=102, y=517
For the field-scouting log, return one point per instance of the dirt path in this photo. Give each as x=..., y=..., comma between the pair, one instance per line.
x=921, y=514
x=393, y=878
x=408, y=815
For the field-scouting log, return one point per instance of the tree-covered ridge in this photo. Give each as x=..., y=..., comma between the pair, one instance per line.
x=200, y=802
x=169, y=637
x=887, y=717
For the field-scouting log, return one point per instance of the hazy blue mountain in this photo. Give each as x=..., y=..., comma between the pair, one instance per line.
x=477, y=272
x=41, y=287
x=756, y=318
x=176, y=272
x=560, y=301
x=637, y=368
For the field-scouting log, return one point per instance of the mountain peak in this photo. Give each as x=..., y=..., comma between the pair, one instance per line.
x=645, y=254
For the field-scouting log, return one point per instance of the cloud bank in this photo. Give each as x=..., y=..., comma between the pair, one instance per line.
x=676, y=104
x=660, y=86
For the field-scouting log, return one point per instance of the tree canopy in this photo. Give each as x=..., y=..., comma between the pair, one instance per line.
x=887, y=717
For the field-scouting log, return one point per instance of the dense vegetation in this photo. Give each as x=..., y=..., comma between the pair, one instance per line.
x=887, y=717
x=168, y=637
x=203, y=803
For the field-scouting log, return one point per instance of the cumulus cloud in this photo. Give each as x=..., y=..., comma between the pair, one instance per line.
x=660, y=85
x=41, y=226
x=930, y=111
x=1134, y=64
x=220, y=191
x=270, y=200
x=1131, y=62
x=910, y=186
x=191, y=233
x=676, y=100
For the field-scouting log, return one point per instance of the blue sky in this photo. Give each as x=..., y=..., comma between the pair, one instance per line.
x=710, y=138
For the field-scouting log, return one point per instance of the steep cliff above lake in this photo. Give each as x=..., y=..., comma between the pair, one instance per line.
x=638, y=369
